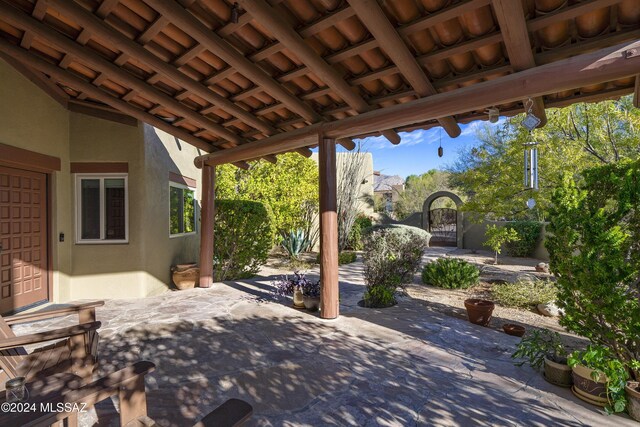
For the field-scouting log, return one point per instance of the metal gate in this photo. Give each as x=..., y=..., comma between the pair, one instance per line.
x=443, y=226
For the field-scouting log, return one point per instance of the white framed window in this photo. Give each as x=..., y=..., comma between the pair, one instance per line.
x=182, y=210
x=102, y=208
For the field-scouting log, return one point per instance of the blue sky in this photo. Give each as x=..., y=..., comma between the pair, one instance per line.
x=418, y=151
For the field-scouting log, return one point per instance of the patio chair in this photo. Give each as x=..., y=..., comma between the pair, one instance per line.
x=75, y=349
x=128, y=385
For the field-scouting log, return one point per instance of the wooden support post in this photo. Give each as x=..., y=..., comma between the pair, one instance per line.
x=207, y=215
x=328, y=229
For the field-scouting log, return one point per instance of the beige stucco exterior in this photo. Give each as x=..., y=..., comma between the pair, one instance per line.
x=31, y=120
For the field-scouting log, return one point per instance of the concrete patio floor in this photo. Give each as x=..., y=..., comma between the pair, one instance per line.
x=401, y=366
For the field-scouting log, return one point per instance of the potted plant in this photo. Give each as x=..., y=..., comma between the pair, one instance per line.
x=599, y=378
x=632, y=388
x=310, y=294
x=479, y=311
x=545, y=347
x=291, y=286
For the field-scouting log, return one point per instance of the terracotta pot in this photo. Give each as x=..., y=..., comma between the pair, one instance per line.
x=557, y=373
x=633, y=395
x=585, y=388
x=515, y=330
x=479, y=311
x=311, y=303
x=185, y=277
x=298, y=301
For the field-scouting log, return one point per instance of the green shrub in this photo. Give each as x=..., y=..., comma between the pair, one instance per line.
x=244, y=235
x=391, y=257
x=450, y=273
x=528, y=234
x=356, y=235
x=346, y=257
x=525, y=293
x=594, y=252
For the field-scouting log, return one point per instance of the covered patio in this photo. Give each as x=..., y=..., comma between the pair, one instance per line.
x=252, y=79
x=400, y=366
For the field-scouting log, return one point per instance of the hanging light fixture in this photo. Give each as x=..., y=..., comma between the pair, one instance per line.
x=234, y=13
x=493, y=113
x=440, y=149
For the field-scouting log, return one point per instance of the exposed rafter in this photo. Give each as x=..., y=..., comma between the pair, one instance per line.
x=293, y=41
x=220, y=47
x=378, y=24
x=511, y=18
x=129, y=47
x=43, y=66
x=583, y=70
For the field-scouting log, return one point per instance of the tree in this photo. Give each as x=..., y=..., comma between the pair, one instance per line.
x=575, y=137
x=351, y=173
x=498, y=236
x=289, y=187
x=418, y=188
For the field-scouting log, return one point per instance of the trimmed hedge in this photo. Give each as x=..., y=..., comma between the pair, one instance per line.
x=450, y=273
x=244, y=233
x=528, y=234
x=403, y=231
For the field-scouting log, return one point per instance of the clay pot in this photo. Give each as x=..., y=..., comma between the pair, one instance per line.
x=515, y=330
x=633, y=395
x=479, y=311
x=311, y=303
x=298, y=301
x=557, y=373
x=185, y=276
x=585, y=388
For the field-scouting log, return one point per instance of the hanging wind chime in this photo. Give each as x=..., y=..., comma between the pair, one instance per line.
x=530, y=122
x=440, y=149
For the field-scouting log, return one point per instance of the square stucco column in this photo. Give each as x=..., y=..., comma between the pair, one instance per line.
x=207, y=215
x=328, y=230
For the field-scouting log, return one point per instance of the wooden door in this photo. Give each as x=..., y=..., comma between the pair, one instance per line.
x=23, y=238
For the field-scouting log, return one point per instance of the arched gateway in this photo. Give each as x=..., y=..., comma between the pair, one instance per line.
x=444, y=224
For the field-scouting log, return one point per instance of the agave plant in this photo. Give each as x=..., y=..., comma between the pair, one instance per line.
x=295, y=242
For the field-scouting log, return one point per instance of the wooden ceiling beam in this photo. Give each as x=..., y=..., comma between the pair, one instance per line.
x=603, y=65
x=104, y=67
x=513, y=26
x=293, y=41
x=221, y=48
x=121, y=42
x=378, y=24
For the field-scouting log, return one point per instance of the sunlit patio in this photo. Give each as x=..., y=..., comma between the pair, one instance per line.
x=405, y=365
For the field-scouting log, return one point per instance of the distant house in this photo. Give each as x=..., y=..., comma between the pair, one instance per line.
x=387, y=188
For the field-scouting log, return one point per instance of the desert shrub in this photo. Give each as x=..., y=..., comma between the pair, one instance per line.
x=594, y=252
x=391, y=257
x=528, y=234
x=405, y=231
x=525, y=293
x=244, y=235
x=355, y=241
x=345, y=257
x=450, y=273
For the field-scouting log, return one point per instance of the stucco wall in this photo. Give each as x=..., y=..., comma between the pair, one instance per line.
x=32, y=120
x=474, y=237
